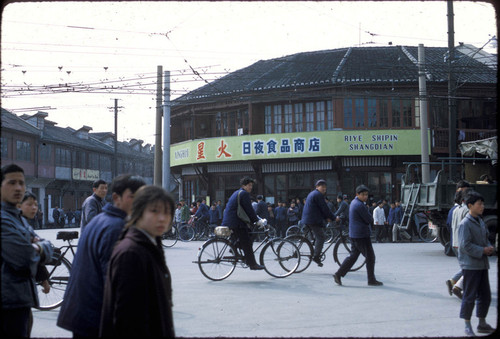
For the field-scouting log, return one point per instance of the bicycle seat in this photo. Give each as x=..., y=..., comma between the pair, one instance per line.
x=67, y=235
x=222, y=231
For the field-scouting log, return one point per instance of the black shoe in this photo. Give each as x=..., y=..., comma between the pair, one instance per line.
x=318, y=261
x=375, y=283
x=485, y=328
x=457, y=291
x=336, y=277
x=256, y=267
x=449, y=284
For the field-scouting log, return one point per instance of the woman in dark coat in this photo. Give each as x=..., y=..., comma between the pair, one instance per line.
x=138, y=291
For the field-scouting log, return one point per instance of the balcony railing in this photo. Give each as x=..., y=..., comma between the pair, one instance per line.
x=440, y=140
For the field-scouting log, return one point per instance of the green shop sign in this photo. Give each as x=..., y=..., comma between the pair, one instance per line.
x=296, y=145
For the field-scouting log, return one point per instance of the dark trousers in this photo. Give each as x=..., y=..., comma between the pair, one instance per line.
x=16, y=322
x=360, y=246
x=245, y=242
x=476, y=288
x=379, y=232
x=320, y=237
x=281, y=227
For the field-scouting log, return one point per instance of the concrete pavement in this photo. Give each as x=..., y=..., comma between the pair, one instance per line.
x=413, y=302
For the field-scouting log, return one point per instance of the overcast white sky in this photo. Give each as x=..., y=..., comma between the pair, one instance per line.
x=94, y=45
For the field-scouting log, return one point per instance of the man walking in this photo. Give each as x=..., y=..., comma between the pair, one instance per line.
x=81, y=308
x=261, y=208
x=22, y=251
x=314, y=215
x=359, y=232
x=93, y=205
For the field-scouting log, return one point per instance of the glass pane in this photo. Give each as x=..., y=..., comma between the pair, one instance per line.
x=348, y=113
x=360, y=112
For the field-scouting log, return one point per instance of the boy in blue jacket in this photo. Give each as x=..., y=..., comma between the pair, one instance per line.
x=473, y=251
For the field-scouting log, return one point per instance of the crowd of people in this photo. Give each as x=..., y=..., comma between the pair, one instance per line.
x=120, y=284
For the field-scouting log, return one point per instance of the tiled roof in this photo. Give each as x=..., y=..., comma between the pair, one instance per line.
x=356, y=65
x=13, y=122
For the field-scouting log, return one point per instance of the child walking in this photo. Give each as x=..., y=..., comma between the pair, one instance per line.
x=473, y=251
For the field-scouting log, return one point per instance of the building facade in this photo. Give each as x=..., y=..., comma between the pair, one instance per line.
x=349, y=116
x=61, y=164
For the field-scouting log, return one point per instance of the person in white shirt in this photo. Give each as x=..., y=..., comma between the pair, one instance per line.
x=379, y=220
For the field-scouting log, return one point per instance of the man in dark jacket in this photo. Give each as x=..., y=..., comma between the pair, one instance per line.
x=81, y=309
x=315, y=213
x=93, y=205
x=261, y=209
x=241, y=231
x=203, y=212
x=22, y=251
x=343, y=210
x=359, y=232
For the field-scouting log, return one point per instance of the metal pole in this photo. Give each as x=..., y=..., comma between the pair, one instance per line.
x=166, y=131
x=452, y=115
x=115, y=160
x=424, y=138
x=159, y=112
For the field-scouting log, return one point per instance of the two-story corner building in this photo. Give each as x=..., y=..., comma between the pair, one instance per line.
x=60, y=164
x=348, y=115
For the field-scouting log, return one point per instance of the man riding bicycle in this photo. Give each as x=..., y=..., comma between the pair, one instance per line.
x=239, y=227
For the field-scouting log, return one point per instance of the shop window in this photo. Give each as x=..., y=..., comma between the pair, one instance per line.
x=94, y=161
x=360, y=112
x=23, y=150
x=348, y=113
x=383, y=113
x=277, y=119
x=329, y=114
x=320, y=116
x=396, y=113
x=106, y=163
x=4, y=147
x=372, y=113
x=268, y=120
x=407, y=113
x=288, y=118
x=45, y=153
x=309, y=116
x=218, y=124
x=63, y=157
x=299, y=121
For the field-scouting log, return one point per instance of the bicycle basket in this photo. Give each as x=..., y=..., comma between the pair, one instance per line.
x=222, y=231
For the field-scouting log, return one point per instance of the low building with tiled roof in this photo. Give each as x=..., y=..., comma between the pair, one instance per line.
x=348, y=115
x=60, y=163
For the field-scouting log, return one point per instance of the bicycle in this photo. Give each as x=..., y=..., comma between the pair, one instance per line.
x=170, y=238
x=194, y=230
x=331, y=232
x=217, y=257
x=59, y=269
x=341, y=250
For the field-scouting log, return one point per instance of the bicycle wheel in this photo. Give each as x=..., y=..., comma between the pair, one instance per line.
x=59, y=269
x=216, y=259
x=170, y=238
x=186, y=233
x=427, y=234
x=330, y=234
x=342, y=250
x=306, y=251
x=280, y=258
x=293, y=230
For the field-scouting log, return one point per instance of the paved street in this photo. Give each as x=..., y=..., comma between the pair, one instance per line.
x=413, y=302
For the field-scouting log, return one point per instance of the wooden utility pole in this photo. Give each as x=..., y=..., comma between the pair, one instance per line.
x=452, y=108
